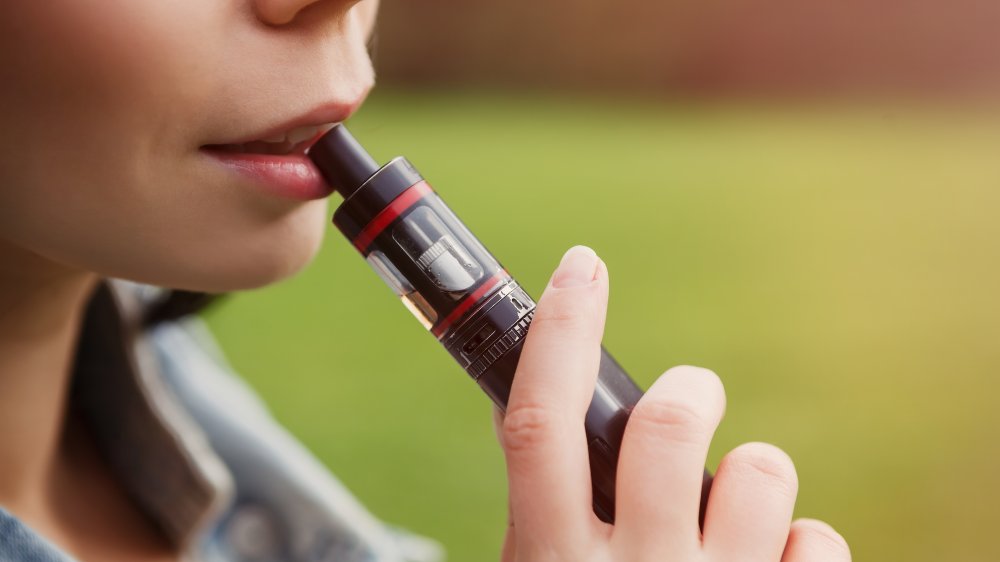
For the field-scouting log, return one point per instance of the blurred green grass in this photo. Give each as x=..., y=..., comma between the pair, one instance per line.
x=837, y=267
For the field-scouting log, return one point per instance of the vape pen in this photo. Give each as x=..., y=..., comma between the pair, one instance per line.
x=458, y=290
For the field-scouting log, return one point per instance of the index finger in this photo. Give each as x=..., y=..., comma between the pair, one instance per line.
x=543, y=431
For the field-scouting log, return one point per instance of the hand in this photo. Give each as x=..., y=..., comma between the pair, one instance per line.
x=666, y=441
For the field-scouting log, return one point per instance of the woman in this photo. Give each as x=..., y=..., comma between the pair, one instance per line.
x=162, y=143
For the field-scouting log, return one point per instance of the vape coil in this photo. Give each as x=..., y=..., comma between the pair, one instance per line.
x=433, y=247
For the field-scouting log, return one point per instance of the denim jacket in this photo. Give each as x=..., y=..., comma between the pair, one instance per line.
x=197, y=452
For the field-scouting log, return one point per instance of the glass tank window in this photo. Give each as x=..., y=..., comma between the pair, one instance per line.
x=437, y=251
x=413, y=300
x=388, y=272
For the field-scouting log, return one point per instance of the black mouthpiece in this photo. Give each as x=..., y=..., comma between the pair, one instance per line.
x=344, y=163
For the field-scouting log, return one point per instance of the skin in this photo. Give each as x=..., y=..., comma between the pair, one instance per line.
x=102, y=175
x=749, y=513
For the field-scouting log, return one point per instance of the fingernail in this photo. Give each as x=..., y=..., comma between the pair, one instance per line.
x=578, y=267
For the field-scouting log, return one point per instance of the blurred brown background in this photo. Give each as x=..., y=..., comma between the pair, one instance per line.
x=703, y=47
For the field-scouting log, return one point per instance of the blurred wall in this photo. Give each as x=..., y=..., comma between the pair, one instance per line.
x=714, y=46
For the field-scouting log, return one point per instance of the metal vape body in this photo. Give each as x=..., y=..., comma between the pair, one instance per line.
x=458, y=290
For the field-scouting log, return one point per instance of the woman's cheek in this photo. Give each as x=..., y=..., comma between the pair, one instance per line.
x=96, y=97
x=99, y=162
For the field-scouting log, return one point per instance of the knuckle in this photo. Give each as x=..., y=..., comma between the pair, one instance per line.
x=765, y=465
x=568, y=316
x=498, y=417
x=566, y=309
x=819, y=535
x=668, y=419
x=527, y=427
x=556, y=318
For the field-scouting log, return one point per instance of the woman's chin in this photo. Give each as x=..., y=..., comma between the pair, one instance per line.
x=263, y=271
x=237, y=259
x=268, y=262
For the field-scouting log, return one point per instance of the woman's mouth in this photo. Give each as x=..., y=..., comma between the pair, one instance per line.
x=293, y=141
x=278, y=161
x=275, y=158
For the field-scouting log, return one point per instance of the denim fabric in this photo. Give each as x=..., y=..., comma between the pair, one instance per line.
x=20, y=544
x=157, y=452
x=199, y=453
x=295, y=508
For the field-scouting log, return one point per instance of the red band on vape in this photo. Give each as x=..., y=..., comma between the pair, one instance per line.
x=469, y=301
x=399, y=205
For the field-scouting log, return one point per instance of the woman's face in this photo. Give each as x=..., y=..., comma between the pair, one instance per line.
x=161, y=141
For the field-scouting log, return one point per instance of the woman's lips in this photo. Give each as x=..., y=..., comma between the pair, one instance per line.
x=289, y=176
x=275, y=157
x=295, y=140
x=279, y=163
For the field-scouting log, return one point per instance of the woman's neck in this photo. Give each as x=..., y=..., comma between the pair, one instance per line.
x=41, y=309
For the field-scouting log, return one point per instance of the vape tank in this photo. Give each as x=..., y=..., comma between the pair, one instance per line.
x=457, y=289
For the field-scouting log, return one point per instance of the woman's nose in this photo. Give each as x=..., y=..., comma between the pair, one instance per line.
x=282, y=12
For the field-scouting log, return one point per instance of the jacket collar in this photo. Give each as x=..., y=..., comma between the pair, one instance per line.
x=155, y=449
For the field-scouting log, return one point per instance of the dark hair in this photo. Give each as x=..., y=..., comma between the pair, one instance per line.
x=177, y=304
